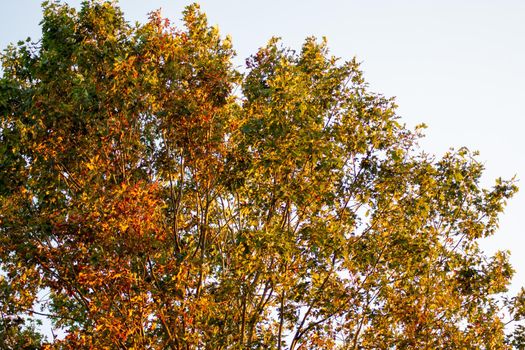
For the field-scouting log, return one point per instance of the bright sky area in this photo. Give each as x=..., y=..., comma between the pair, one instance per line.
x=457, y=66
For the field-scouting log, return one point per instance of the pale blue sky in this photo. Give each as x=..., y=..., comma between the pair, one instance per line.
x=458, y=66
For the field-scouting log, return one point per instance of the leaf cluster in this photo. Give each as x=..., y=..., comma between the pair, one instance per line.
x=153, y=197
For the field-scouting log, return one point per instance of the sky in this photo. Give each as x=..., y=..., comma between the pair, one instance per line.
x=457, y=66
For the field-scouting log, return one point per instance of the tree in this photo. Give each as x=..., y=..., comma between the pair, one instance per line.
x=153, y=197
x=15, y=333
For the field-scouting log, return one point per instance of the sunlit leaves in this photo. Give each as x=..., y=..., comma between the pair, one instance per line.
x=152, y=197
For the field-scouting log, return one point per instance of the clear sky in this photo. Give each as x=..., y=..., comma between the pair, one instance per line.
x=458, y=66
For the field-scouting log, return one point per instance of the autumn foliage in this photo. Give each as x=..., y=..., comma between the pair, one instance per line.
x=153, y=197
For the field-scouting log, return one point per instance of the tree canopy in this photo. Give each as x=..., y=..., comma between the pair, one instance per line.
x=152, y=196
